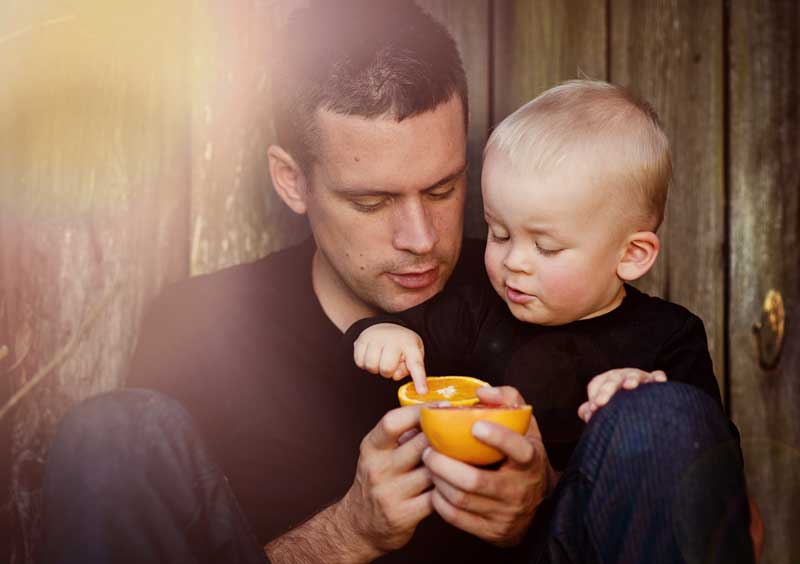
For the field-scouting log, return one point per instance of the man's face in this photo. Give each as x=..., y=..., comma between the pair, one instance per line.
x=554, y=240
x=385, y=204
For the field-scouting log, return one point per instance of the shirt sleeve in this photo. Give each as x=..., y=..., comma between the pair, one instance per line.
x=685, y=358
x=449, y=325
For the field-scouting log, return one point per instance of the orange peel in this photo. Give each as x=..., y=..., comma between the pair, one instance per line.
x=449, y=429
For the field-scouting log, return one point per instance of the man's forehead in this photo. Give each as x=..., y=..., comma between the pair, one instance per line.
x=359, y=152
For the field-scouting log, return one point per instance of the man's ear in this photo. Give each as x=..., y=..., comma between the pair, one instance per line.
x=641, y=250
x=288, y=179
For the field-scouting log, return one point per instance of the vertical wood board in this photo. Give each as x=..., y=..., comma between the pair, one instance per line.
x=764, y=139
x=671, y=54
x=539, y=44
x=93, y=185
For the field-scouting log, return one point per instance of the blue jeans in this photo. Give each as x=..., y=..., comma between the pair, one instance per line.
x=657, y=478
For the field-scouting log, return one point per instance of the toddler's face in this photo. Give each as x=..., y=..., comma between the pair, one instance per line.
x=554, y=240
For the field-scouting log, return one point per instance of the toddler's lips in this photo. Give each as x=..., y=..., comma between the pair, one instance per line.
x=415, y=280
x=518, y=297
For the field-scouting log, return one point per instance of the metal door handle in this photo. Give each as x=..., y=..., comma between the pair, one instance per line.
x=769, y=331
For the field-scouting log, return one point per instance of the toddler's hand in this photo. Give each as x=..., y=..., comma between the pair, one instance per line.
x=393, y=352
x=603, y=386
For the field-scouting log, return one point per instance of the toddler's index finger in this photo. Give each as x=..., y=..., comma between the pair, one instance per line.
x=417, y=370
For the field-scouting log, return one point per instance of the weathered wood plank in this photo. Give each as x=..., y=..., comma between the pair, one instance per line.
x=539, y=44
x=764, y=140
x=94, y=174
x=672, y=54
x=236, y=216
x=469, y=22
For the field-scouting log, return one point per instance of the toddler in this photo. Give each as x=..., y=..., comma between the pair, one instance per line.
x=574, y=188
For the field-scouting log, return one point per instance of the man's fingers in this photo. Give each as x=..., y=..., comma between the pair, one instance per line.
x=413, y=483
x=391, y=426
x=463, y=520
x=460, y=474
x=407, y=436
x=500, y=395
x=409, y=454
x=515, y=446
x=465, y=501
x=416, y=509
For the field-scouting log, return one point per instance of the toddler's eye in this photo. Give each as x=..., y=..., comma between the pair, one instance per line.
x=498, y=238
x=547, y=252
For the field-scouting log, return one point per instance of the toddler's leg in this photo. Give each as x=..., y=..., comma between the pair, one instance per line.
x=657, y=478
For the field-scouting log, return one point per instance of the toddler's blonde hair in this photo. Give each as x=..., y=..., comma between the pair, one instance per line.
x=581, y=115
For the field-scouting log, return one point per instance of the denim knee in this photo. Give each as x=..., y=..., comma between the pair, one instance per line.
x=655, y=423
x=104, y=441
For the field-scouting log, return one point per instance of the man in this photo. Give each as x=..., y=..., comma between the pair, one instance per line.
x=371, y=122
x=372, y=110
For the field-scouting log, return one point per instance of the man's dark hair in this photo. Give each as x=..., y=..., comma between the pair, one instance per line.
x=360, y=57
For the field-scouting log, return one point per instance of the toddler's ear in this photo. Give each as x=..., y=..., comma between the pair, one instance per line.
x=641, y=250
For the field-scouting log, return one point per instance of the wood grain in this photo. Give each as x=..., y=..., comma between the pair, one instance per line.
x=469, y=22
x=671, y=53
x=539, y=44
x=236, y=215
x=94, y=173
x=764, y=92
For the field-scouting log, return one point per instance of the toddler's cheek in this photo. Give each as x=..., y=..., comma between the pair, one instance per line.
x=564, y=288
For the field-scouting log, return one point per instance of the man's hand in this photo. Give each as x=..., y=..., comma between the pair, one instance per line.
x=602, y=387
x=388, y=497
x=382, y=508
x=495, y=505
x=393, y=352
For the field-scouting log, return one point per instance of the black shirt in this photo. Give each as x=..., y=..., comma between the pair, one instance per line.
x=250, y=353
x=470, y=330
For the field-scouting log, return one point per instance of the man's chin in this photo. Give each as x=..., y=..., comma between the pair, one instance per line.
x=409, y=298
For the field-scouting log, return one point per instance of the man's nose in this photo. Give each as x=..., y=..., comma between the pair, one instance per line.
x=518, y=260
x=414, y=230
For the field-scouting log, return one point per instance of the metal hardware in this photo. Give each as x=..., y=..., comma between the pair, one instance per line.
x=769, y=331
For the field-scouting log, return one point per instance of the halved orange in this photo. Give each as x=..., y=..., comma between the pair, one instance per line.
x=458, y=390
x=449, y=429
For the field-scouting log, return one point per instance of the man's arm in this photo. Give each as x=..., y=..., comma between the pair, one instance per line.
x=380, y=512
x=325, y=538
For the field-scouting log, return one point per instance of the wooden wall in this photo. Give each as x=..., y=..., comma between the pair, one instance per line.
x=132, y=143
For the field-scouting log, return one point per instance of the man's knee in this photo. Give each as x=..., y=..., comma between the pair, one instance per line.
x=112, y=433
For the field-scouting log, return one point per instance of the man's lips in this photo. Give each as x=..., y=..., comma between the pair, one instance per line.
x=415, y=280
x=518, y=297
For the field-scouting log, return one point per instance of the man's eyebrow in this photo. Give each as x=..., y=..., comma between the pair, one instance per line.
x=447, y=179
x=358, y=192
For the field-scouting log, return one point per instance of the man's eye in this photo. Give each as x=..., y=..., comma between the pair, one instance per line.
x=443, y=194
x=368, y=205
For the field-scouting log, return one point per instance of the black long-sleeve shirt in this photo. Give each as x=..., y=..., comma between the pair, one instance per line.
x=470, y=330
x=251, y=355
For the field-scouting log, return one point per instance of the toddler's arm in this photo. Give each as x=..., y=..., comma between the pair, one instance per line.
x=393, y=352
x=602, y=387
